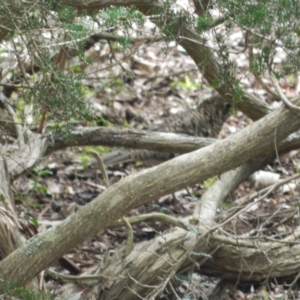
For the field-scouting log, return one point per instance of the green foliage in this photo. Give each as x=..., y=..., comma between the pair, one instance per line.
x=138, y=164
x=29, y=204
x=209, y=182
x=76, y=34
x=226, y=205
x=265, y=294
x=172, y=27
x=100, y=121
x=66, y=14
x=121, y=18
x=52, y=5
x=204, y=23
x=2, y=198
x=34, y=222
x=272, y=24
x=187, y=84
x=43, y=172
x=124, y=43
x=99, y=149
x=122, y=15
x=172, y=21
x=237, y=91
x=37, y=186
x=13, y=290
x=85, y=159
x=85, y=155
x=63, y=95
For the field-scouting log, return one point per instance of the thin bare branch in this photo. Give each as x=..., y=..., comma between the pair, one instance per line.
x=286, y=101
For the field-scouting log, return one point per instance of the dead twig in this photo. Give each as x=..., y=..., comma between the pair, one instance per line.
x=129, y=242
x=286, y=101
x=101, y=167
x=72, y=278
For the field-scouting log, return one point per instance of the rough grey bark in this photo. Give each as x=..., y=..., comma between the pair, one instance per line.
x=9, y=224
x=158, y=250
x=131, y=138
x=261, y=137
x=10, y=234
x=138, y=189
x=208, y=65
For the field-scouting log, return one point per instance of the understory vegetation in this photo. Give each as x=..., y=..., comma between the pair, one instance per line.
x=216, y=217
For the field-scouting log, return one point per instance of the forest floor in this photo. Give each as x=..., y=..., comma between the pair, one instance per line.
x=157, y=81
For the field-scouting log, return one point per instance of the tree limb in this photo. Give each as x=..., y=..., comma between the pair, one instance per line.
x=145, y=186
x=131, y=138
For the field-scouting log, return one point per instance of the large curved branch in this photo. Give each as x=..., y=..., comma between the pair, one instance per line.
x=205, y=212
x=143, y=187
x=208, y=64
x=38, y=146
x=143, y=139
x=131, y=138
